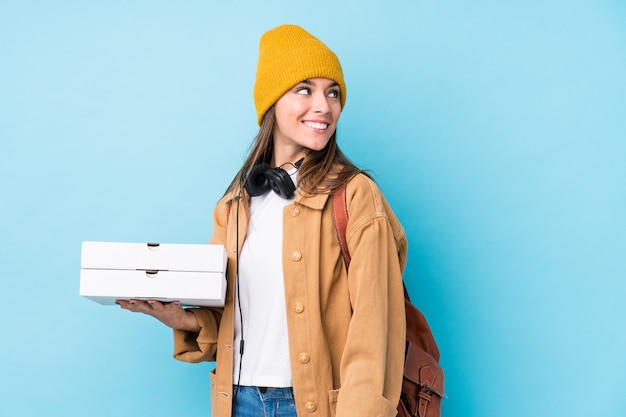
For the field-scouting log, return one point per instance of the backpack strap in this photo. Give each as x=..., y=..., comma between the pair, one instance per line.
x=340, y=211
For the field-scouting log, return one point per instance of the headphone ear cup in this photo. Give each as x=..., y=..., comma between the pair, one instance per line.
x=280, y=182
x=257, y=182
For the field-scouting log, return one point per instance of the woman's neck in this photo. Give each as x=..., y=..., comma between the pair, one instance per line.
x=284, y=157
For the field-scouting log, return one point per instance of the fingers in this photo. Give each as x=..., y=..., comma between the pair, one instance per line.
x=160, y=310
x=171, y=314
x=151, y=307
x=135, y=306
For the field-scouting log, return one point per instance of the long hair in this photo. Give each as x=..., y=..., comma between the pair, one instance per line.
x=321, y=171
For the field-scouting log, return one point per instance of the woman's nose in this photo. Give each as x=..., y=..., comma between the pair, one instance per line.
x=320, y=103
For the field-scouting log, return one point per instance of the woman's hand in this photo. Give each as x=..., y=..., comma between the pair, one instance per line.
x=170, y=314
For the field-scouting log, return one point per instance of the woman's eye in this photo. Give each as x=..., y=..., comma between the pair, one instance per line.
x=303, y=90
x=333, y=94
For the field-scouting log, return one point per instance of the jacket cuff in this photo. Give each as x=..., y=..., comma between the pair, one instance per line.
x=358, y=402
x=197, y=347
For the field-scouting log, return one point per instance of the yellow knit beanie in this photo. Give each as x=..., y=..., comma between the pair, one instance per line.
x=289, y=54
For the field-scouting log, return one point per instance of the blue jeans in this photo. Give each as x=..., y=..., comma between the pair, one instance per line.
x=263, y=402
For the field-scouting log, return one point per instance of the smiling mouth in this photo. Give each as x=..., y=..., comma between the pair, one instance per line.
x=316, y=125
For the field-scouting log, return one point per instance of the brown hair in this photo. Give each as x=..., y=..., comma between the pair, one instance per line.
x=321, y=171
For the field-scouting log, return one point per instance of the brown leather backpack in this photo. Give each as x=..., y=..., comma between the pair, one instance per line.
x=422, y=386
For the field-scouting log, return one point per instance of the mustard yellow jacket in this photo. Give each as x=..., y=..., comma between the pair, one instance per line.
x=346, y=330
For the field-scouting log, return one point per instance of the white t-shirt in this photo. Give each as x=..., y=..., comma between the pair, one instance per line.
x=265, y=361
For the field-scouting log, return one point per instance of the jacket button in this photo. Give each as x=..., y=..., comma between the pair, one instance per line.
x=304, y=357
x=296, y=256
x=310, y=406
x=295, y=212
x=298, y=307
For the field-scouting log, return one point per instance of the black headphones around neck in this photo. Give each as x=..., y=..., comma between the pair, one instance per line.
x=263, y=178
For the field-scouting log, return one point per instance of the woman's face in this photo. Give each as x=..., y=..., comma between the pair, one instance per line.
x=307, y=115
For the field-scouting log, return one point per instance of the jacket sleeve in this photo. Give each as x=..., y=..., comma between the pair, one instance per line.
x=202, y=346
x=373, y=359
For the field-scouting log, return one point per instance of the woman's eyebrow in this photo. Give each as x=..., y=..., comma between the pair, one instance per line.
x=309, y=82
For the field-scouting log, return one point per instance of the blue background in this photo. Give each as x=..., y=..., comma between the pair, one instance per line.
x=496, y=129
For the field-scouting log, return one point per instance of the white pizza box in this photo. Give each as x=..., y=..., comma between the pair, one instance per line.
x=194, y=274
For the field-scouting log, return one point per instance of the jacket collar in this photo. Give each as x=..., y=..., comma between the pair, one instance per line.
x=317, y=201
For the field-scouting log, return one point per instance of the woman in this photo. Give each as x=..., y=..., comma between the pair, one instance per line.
x=299, y=332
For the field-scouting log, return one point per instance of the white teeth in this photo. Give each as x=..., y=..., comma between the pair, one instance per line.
x=316, y=125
